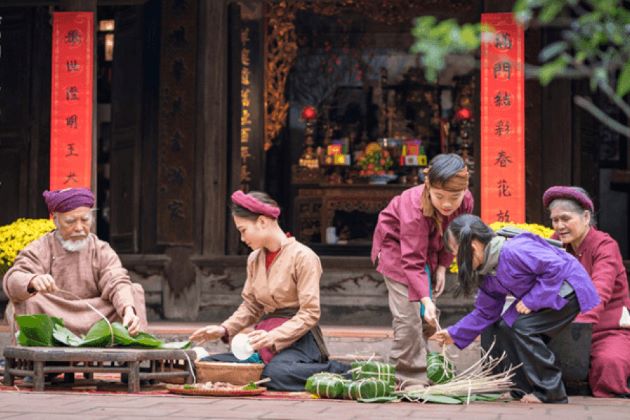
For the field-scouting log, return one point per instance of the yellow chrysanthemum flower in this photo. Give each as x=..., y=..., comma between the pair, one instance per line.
x=15, y=236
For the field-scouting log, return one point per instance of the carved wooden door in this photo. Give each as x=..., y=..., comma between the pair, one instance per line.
x=127, y=113
x=24, y=111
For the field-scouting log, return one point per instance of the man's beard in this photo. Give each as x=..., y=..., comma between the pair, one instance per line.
x=70, y=245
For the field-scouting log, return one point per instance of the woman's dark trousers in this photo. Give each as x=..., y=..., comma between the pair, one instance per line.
x=527, y=342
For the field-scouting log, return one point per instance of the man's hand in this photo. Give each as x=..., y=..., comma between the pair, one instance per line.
x=440, y=281
x=430, y=311
x=442, y=337
x=209, y=333
x=43, y=283
x=131, y=321
x=521, y=308
x=259, y=339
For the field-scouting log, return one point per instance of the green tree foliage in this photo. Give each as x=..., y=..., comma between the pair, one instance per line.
x=593, y=44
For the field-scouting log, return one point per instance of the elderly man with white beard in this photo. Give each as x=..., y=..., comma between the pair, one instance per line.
x=64, y=272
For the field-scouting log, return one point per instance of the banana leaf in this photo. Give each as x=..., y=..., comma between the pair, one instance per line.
x=487, y=397
x=439, y=370
x=375, y=370
x=441, y=399
x=121, y=335
x=64, y=336
x=378, y=400
x=98, y=336
x=325, y=385
x=47, y=331
x=176, y=345
x=365, y=389
x=36, y=330
x=147, y=340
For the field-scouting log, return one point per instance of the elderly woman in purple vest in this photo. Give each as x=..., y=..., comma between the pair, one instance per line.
x=550, y=288
x=572, y=215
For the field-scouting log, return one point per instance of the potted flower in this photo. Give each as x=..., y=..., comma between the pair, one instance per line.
x=375, y=163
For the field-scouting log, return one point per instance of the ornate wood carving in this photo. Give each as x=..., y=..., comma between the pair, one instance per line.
x=315, y=207
x=281, y=43
x=176, y=149
x=281, y=49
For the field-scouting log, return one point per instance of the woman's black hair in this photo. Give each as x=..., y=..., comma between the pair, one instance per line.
x=443, y=167
x=241, y=211
x=463, y=230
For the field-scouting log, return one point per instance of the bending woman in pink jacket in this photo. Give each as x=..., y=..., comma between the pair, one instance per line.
x=407, y=246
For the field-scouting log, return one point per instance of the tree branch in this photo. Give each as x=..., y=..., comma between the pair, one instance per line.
x=606, y=89
x=601, y=116
x=532, y=71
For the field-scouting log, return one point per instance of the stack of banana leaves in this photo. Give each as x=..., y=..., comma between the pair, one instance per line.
x=47, y=331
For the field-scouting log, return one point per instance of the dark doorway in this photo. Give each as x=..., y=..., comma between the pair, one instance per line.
x=128, y=85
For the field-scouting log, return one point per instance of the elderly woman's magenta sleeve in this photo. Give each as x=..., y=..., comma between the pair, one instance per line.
x=607, y=263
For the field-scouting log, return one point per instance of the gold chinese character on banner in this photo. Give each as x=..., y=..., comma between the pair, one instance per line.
x=245, y=76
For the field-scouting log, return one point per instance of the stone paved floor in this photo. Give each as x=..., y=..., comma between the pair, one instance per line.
x=53, y=406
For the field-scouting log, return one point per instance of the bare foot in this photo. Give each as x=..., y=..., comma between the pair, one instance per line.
x=506, y=396
x=530, y=399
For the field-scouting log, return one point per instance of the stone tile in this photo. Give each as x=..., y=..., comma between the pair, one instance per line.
x=53, y=406
x=103, y=410
x=137, y=418
x=43, y=416
x=39, y=407
x=246, y=413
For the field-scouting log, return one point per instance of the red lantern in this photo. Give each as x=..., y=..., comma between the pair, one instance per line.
x=309, y=113
x=464, y=114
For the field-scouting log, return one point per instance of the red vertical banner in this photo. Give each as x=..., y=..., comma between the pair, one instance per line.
x=71, y=100
x=502, y=119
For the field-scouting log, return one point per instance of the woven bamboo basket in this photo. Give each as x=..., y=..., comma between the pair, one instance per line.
x=234, y=373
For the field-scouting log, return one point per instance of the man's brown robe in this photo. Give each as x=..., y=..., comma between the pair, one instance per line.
x=95, y=274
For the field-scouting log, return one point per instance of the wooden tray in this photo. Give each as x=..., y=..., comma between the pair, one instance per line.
x=179, y=389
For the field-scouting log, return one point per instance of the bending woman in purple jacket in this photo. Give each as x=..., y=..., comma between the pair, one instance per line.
x=550, y=288
x=408, y=244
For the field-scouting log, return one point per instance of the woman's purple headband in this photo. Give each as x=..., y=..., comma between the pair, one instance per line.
x=255, y=206
x=568, y=193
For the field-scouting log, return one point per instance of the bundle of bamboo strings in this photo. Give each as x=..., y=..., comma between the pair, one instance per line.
x=477, y=379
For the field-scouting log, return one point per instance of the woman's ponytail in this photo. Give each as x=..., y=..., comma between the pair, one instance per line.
x=466, y=274
x=463, y=230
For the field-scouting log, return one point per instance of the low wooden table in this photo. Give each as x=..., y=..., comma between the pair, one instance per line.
x=32, y=361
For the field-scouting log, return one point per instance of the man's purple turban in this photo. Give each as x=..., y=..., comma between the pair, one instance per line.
x=69, y=199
